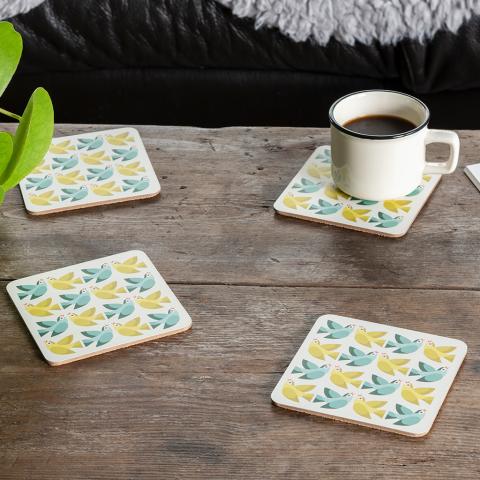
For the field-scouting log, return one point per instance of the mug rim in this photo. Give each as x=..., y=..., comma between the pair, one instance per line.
x=347, y=131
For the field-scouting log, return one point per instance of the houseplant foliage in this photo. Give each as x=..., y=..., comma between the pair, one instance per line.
x=22, y=152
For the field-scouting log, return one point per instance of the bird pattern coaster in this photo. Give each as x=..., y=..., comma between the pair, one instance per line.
x=90, y=169
x=371, y=374
x=312, y=195
x=97, y=306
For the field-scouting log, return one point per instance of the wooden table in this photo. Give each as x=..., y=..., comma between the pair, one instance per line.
x=198, y=405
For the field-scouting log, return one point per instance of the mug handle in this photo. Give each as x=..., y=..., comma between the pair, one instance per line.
x=451, y=139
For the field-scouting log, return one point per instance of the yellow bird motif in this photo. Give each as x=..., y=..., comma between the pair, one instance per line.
x=43, y=167
x=106, y=189
x=108, y=292
x=132, y=328
x=319, y=171
x=131, y=265
x=130, y=170
x=45, y=308
x=119, y=139
x=414, y=395
x=63, y=346
x=44, y=199
x=71, y=178
x=396, y=205
x=391, y=365
x=296, y=392
x=344, y=379
x=368, y=408
x=323, y=350
x=65, y=282
x=291, y=201
x=96, y=158
x=335, y=193
x=152, y=301
x=438, y=353
x=62, y=148
x=87, y=318
x=427, y=178
x=369, y=338
x=353, y=214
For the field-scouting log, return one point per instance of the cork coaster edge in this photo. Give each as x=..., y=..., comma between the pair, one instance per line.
x=95, y=204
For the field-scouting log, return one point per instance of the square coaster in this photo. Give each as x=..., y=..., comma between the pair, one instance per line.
x=98, y=306
x=90, y=169
x=312, y=195
x=473, y=173
x=371, y=374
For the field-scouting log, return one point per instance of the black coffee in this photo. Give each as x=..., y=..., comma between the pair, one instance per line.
x=379, y=125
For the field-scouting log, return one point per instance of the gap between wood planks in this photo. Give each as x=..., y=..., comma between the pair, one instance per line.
x=304, y=285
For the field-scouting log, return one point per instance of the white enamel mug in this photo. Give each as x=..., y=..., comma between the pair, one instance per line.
x=381, y=167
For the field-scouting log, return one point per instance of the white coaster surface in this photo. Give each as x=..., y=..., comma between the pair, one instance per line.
x=97, y=306
x=473, y=173
x=90, y=169
x=312, y=195
x=371, y=374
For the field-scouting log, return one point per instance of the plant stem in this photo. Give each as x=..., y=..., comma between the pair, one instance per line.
x=10, y=114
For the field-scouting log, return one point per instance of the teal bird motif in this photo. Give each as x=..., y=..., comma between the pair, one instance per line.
x=97, y=274
x=124, y=154
x=39, y=183
x=90, y=143
x=142, y=283
x=165, y=320
x=427, y=373
x=74, y=194
x=307, y=186
x=380, y=386
x=54, y=327
x=310, y=370
x=359, y=201
x=76, y=299
x=335, y=330
x=136, y=185
x=418, y=190
x=386, y=221
x=404, y=416
x=32, y=291
x=123, y=309
x=325, y=156
x=102, y=336
x=100, y=173
x=65, y=163
x=332, y=399
x=357, y=358
x=404, y=345
x=325, y=208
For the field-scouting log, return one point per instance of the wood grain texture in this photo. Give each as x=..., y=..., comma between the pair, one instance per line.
x=197, y=405
x=215, y=220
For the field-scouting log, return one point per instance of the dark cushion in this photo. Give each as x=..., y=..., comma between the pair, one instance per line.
x=193, y=61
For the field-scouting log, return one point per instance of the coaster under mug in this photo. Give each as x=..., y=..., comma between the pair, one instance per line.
x=312, y=195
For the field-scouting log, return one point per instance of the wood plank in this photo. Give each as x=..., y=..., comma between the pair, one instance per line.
x=197, y=405
x=214, y=221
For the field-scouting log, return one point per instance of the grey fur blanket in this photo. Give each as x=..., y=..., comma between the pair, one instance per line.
x=387, y=21
x=365, y=21
x=9, y=8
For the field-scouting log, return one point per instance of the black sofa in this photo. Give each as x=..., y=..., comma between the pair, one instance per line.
x=192, y=62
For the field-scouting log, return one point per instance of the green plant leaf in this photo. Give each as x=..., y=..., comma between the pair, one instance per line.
x=6, y=148
x=10, y=52
x=32, y=139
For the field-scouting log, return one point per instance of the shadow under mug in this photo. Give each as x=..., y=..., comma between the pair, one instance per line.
x=381, y=167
